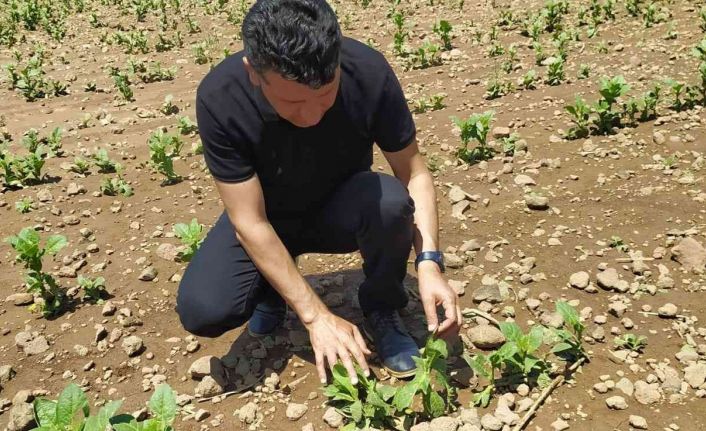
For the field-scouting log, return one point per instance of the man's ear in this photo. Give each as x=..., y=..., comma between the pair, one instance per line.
x=252, y=73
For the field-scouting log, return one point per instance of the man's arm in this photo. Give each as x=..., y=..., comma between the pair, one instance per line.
x=409, y=167
x=331, y=336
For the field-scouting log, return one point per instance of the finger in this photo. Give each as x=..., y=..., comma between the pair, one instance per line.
x=361, y=341
x=450, y=314
x=354, y=349
x=460, y=316
x=320, y=367
x=331, y=358
x=430, y=312
x=346, y=359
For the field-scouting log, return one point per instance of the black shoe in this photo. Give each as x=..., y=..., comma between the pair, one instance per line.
x=393, y=344
x=266, y=319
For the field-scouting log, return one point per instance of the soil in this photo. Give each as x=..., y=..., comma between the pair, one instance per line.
x=613, y=190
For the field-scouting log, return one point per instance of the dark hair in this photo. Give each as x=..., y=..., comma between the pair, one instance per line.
x=298, y=39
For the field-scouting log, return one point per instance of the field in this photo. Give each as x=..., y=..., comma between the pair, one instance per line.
x=567, y=140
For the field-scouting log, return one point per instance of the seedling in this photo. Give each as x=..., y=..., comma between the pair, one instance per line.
x=555, y=71
x=432, y=103
x=617, y=243
x=29, y=252
x=443, y=30
x=80, y=166
x=529, y=80
x=133, y=42
x=523, y=348
x=122, y=83
x=163, y=148
x=633, y=7
x=648, y=104
x=431, y=378
x=584, y=71
x=201, y=55
x=93, y=288
x=677, y=89
x=631, y=342
x=115, y=186
x=702, y=17
x=509, y=144
x=611, y=90
x=475, y=127
x=497, y=88
x=581, y=116
x=539, y=55
x=401, y=35
x=191, y=236
x=570, y=344
x=103, y=162
x=24, y=205
x=168, y=107
x=30, y=140
x=425, y=56
x=21, y=171
x=186, y=126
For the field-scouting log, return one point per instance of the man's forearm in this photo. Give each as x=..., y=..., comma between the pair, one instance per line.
x=274, y=262
x=426, y=233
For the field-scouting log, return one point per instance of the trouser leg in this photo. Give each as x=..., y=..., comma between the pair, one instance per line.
x=374, y=213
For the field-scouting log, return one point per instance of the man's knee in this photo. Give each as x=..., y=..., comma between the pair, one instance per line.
x=394, y=206
x=206, y=315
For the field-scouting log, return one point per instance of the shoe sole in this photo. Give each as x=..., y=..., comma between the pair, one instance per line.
x=390, y=371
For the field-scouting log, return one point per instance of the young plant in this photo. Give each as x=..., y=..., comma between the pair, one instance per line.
x=497, y=88
x=631, y=342
x=584, y=71
x=426, y=56
x=103, y=162
x=24, y=205
x=677, y=90
x=570, y=345
x=555, y=71
x=29, y=252
x=401, y=35
x=168, y=107
x=432, y=103
x=443, y=30
x=431, y=378
x=523, y=348
x=633, y=7
x=191, y=236
x=702, y=19
x=122, y=84
x=115, y=186
x=617, y=243
x=163, y=148
x=93, y=288
x=529, y=80
x=475, y=127
x=611, y=90
x=80, y=166
x=365, y=405
x=186, y=126
x=488, y=367
x=581, y=116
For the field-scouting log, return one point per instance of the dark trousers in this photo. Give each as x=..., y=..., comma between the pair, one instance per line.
x=370, y=212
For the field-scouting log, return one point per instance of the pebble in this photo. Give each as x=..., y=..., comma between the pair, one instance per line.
x=333, y=418
x=579, y=280
x=132, y=345
x=668, y=310
x=148, y=274
x=560, y=425
x=616, y=403
x=486, y=337
x=638, y=422
x=537, y=202
x=491, y=423
x=296, y=411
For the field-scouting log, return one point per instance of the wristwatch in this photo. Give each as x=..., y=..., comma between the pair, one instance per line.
x=436, y=256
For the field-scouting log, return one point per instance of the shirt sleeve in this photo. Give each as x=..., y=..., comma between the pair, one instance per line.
x=393, y=125
x=227, y=153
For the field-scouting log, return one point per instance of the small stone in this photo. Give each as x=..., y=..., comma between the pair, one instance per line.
x=167, y=251
x=333, y=418
x=625, y=386
x=132, y=345
x=537, y=202
x=444, y=423
x=690, y=254
x=148, y=274
x=7, y=373
x=486, y=337
x=201, y=415
x=491, y=294
x=21, y=417
x=208, y=387
x=500, y=132
x=560, y=425
x=658, y=138
x=469, y=416
x=668, y=310
x=207, y=366
x=491, y=423
x=695, y=375
x=31, y=344
x=524, y=180
x=108, y=309
x=638, y=422
x=22, y=298
x=616, y=403
x=296, y=411
x=423, y=426
x=579, y=280
x=647, y=393
x=308, y=427
x=248, y=413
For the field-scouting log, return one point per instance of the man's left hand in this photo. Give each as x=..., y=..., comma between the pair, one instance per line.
x=434, y=290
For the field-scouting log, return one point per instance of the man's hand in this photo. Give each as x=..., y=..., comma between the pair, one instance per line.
x=434, y=290
x=332, y=338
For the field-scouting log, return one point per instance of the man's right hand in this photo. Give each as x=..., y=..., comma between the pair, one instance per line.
x=335, y=338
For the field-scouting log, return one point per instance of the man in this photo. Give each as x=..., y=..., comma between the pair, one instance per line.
x=288, y=125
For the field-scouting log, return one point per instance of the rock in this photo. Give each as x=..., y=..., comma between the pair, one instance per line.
x=296, y=411
x=167, y=251
x=505, y=415
x=486, y=337
x=560, y=425
x=423, y=426
x=647, y=393
x=469, y=417
x=308, y=427
x=333, y=418
x=132, y=345
x=690, y=254
x=444, y=423
x=616, y=403
x=524, y=180
x=537, y=202
x=21, y=417
x=579, y=280
x=608, y=279
x=470, y=245
x=658, y=138
x=148, y=274
x=469, y=427
x=458, y=286
x=207, y=366
x=695, y=375
x=201, y=415
x=248, y=413
x=625, y=386
x=7, y=373
x=453, y=261
x=491, y=423
x=671, y=380
x=456, y=194
x=108, y=309
x=491, y=294
x=44, y=195
x=638, y=422
x=31, y=344
x=74, y=189
x=500, y=132
x=22, y=298
x=668, y=310
x=208, y=387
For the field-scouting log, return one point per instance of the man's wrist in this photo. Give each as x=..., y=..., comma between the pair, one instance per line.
x=310, y=310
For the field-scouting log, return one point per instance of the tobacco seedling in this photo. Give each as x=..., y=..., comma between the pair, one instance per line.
x=443, y=30
x=80, y=166
x=432, y=103
x=631, y=342
x=103, y=162
x=425, y=56
x=611, y=90
x=430, y=379
x=168, y=107
x=584, y=71
x=555, y=71
x=186, y=126
x=115, y=186
x=633, y=7
x=191, y=236
x=24, y=205
x=677, y=88
x=529, y=80
x=702, y=17
x=401, y=35
x=522, y=348
x=122, y=83
x=569, y=346
x=487, y=367
x=581, y=116
x=29, y=252
x=94, y=288
x=617, y=243
x=475, y=127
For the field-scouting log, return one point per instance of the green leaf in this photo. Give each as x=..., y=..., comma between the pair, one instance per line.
x=44, y=411
x=434, y=404
x=163, y=404
x=341, y=379
x=386, y=392
x=357, y=411
x=70, y=401
x=480, y=364
x=568, y=313
x=511, y=331
x=436, y=345
x=561, y=347
x=536, y=336
x=506, y=351
x=55, y=243
x=529, y=364
x=404, y=396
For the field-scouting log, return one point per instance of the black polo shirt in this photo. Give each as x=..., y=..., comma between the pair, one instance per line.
x=298, y=168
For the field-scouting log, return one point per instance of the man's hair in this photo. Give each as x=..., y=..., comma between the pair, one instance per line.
x=298, y=39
